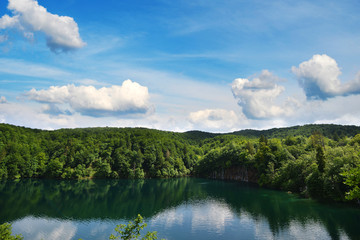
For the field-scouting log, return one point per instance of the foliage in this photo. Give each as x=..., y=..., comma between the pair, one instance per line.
x=332, y=131
x=132, y=230
x=94, y=153
x=314, y=166
x=5, y=233
x=320, y=158
x=320, y=161
x=352, y=179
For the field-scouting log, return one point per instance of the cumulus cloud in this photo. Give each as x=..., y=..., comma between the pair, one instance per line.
x=257, y=96
x=41, y=228
x=213, y=215
x=9, y=22
x=128, y=98
x=319, y=77
x=3, y=99
x=24, y=115
x=214, y=119
x=62, y=32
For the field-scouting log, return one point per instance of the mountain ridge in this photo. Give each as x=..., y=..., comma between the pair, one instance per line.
x=334, y=131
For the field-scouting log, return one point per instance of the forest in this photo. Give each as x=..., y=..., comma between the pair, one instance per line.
x=317, y=161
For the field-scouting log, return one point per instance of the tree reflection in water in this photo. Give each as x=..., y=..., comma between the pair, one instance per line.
x=167, y=202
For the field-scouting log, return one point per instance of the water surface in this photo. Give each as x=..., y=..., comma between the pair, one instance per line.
x=182, y=208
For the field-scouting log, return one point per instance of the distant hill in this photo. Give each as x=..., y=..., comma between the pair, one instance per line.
x=199, y=135
x=328, y=130
x=332, y=131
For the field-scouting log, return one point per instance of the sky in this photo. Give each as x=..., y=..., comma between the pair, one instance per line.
x=217, y=66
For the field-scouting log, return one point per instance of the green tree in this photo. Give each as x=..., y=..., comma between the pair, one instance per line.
x=263, y=156
x=317, y=139
x=352, y=179
x=315, y=184
x=320, y=158
x=103, y=170
x=54, y=168
x=5, y=233
x=132, y=230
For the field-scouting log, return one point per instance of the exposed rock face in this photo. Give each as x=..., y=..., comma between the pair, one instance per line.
x=241, y=173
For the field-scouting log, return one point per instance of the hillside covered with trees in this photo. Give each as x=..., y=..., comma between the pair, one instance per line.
x=320, y=161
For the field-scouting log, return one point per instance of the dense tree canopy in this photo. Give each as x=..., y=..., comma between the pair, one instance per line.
x=324, y=164
x=95, y=152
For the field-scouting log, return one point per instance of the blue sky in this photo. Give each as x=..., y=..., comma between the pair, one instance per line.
x=179, y=65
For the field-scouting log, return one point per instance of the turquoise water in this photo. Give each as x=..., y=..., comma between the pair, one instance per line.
x=182, y=208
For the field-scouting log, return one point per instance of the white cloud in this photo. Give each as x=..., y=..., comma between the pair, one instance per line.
x=41, y=228
x=337, y=110
x=175, y=94
x=319, y=77
x=312, y=230
x=170, y=218
x=257, y=96
x=213, y=216
x=62, y=32
x=25, y=115
x=128, y=98
x=214, y=119
x=3, y=99
x=353, y=87
x=48, y=116
x=9, y=22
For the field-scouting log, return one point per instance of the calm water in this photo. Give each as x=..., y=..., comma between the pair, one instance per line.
x=183, y=208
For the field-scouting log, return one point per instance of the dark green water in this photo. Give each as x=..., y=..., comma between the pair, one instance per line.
x=183, y=208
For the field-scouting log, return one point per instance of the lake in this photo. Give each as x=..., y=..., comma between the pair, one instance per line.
x=181, y=208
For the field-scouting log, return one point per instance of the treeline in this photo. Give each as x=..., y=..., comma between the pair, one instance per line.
x=322, y=164
x=314, y=166
x=332, y=131
x=94, y=152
